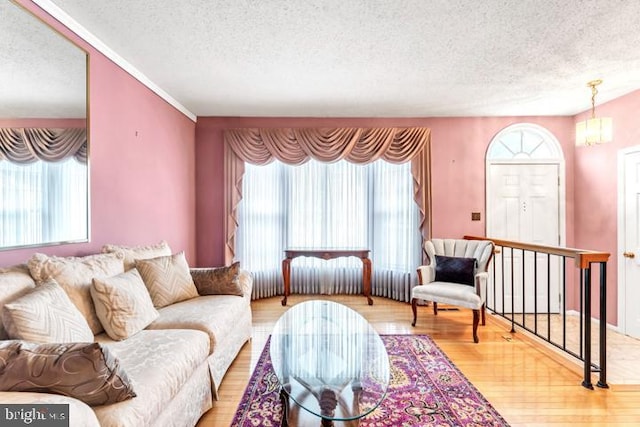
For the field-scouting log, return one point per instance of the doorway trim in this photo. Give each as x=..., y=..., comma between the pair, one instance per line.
x=555, y=156
x=622, y=290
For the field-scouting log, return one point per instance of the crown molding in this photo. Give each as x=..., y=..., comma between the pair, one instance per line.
x=73, y=25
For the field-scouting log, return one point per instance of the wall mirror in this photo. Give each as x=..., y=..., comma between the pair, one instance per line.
x=44, y=179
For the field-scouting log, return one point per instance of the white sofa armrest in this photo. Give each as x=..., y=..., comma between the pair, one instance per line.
x=80, y=414
x=426, y=274
x=246, y=282
x=481, y=285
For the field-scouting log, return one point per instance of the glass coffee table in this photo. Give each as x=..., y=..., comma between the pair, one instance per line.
x=330, y=363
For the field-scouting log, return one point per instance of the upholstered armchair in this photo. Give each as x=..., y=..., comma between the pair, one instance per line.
x=456, y=275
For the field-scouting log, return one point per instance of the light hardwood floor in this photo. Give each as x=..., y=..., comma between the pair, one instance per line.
x=528, y=383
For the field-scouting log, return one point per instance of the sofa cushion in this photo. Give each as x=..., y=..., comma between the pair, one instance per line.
x=123, y=304
x=15, y=281
x=455, y=269
x=218, y=281
x=214, y=314
x=448, y=293
x=167, y=278
x=81, y=413
x=45, y=315
x=133, y=253
x=88, y=372
x=75, y=275
x=159, y=363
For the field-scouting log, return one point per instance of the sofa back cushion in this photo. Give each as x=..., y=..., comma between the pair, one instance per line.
x=133, y=253
x=482, y=250
x=15, y=281
x=75, y=275
x=45, y=315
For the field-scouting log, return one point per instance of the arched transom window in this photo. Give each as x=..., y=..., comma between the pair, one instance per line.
x=524, y=141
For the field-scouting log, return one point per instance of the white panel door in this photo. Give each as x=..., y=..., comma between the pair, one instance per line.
x=631, y=270
x=524, y=207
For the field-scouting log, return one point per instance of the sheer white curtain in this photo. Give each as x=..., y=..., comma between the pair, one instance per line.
x=329, y=205
x=42, y=202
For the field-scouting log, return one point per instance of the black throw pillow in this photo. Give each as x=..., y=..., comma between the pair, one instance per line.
x=455, y=269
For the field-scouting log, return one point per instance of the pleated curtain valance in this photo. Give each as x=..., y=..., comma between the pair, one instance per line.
x=296, y=146
x=27, y=145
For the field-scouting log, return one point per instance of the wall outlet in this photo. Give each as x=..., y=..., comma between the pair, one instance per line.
x=475, y=216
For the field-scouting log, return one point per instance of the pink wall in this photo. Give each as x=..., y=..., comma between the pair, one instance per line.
x=596, y=187
x=142, y=162
x=458, y=148
x=150, y=165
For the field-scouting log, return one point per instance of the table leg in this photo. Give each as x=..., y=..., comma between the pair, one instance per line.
x=366, y=279
x=284, y=399
x=286, y=277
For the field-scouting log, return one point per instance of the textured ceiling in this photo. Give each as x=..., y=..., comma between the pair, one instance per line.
x=42, y=74
x=364, y=58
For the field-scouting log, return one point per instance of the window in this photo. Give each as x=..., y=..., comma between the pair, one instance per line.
x=43, y=202
x=322, y=205
x=524, y=141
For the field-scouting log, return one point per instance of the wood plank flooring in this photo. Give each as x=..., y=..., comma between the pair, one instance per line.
x=528, y=383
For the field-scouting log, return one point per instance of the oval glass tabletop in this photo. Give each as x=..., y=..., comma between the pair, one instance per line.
x=329, y=361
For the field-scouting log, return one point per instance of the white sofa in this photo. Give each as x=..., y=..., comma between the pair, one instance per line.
x=175, y=364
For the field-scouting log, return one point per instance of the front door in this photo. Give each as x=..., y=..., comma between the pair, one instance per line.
x=630, y=265
x=523, y=205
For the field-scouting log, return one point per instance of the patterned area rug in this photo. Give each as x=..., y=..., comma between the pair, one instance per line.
x=426, y=389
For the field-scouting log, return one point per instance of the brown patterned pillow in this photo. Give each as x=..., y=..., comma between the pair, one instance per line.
x=133, y=253
x=45, y=315
x=167, y=278
x=88, y=372
x=218, y=281
x=123, y=304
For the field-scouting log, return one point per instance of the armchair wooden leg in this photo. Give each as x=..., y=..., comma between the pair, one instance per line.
x=435, y=308
x=483, y=314
x=476, y=320
x=414, y=308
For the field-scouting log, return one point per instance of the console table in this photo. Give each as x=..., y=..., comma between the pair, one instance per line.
x=327, y=254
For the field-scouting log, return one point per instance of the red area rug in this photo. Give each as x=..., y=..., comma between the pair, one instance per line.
x=426, y=389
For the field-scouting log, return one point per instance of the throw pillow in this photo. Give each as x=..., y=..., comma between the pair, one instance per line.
x=455, y=269
x=75, y=274
x=45, y=315
x=167, y=278
x=123, y=304
x=15, y=281
x=88, y=372
x=133, y=253
x=218, y=281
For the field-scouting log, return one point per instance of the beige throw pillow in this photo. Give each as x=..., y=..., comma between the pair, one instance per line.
x=45, y=315
x=218, y=281
x=167, y=278
x=15, y=281
x=75, y=274
x=88, y=372
x=123, y=304
x=133, y=253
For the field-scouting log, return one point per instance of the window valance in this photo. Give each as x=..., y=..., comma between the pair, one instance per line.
x=27, y=145
x=356, y=145
x=297, y=145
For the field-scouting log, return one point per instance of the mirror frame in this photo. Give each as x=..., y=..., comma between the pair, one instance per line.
x=55, y=32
